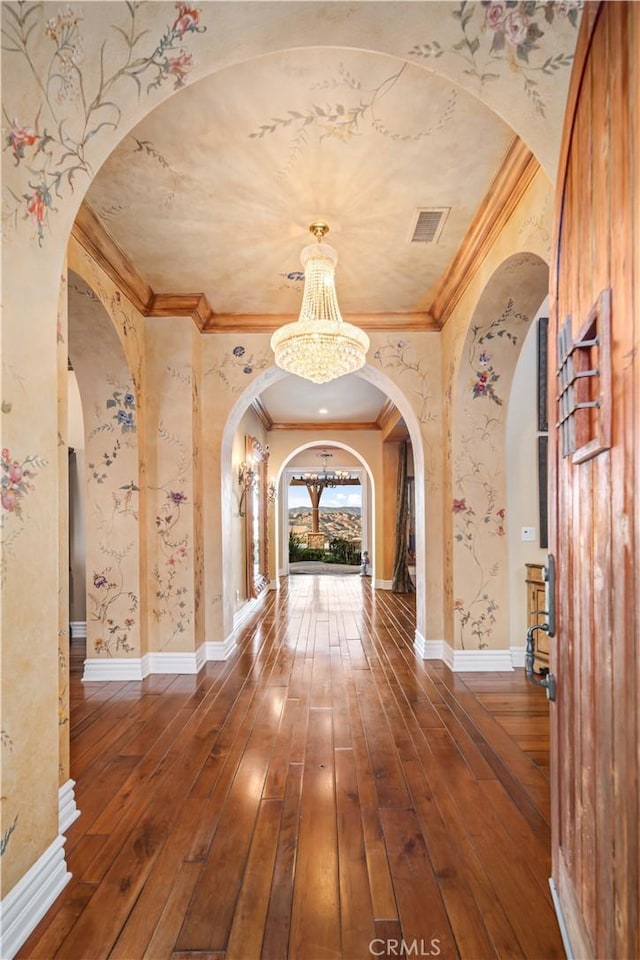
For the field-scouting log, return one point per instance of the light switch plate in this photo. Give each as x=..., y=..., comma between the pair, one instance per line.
x=528, y=533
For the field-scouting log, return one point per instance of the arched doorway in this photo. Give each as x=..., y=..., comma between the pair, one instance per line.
x=360, y=470
x=392, y=390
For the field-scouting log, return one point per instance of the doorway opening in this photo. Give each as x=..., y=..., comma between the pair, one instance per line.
x=324, y=513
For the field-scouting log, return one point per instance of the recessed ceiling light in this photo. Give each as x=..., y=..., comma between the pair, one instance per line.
x=323, y=410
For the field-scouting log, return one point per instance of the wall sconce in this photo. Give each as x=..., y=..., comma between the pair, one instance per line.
x=272, y=492
x=246, y=479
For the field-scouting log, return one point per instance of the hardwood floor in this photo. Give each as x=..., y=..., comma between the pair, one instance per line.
x=323, y=793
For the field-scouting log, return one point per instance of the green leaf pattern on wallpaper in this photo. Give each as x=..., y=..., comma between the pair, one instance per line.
x=112, y=606
x=402, y=359
x=171, y=597
x=52, y=146
x=479, y=519
x=507, y=33
x=238, y=361
x=172, y=605
x=5, y=836
x=348, y=110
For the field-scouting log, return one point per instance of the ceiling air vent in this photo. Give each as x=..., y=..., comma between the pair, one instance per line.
x=429, y=224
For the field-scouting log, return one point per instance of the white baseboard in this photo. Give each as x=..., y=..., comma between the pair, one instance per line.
x=517, y=656
x=494, y=661
x=273, y=585
x=67, y=809
x=169, y=662
x=220, y=651
x=382, y=584
x=250, y=607
x=113, y=668
x=428, y=649
x=137, y=668
x=461, y=661
x=26, y=904
x=78, y=629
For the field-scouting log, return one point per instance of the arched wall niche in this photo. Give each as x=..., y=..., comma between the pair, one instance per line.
x=478, y=597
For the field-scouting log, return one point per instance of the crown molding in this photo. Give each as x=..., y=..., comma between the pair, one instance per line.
x=262, y=413
x=388, y=419
x=90, y=233
x=100, y=245
x=194, y=305
x=267, y=323
x=505, y=192
x=324, y=425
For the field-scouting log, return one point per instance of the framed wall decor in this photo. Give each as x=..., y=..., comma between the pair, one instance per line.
x=543, y=443
x=256, y=525
x=543, y=334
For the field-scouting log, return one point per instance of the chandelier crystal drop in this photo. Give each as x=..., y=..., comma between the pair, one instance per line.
x=320, y=345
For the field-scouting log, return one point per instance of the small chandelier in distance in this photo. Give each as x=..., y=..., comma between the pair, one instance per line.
x=319, y=345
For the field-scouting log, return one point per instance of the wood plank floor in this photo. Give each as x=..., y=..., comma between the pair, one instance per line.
x=324, y=793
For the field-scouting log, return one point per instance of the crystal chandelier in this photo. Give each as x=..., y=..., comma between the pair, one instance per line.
x=320, y=345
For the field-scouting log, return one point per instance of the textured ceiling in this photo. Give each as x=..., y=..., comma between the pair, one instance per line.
x=347, y=399
x=215, y=190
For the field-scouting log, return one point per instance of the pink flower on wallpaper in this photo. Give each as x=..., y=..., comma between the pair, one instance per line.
x=495, y=14
x=179, y=66
x=459, y=506
x=15, y=472
x=10, y=500
x=36, y=207
x=501, y=531
x=20, y=137
x=16, y=479
x=187, y=19
x=500, y=513
x=516, y=26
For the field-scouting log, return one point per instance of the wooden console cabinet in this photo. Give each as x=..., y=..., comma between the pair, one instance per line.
x=536, y=605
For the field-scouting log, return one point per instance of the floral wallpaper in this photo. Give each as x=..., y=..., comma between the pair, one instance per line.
x=478, y=483
x=234, y=366
x=53, y=151
x=414, y=364
x=507, y=34
x=112, y=497
x=63, y=528
x=6, y=744
x=19, y=473
x=173, y=447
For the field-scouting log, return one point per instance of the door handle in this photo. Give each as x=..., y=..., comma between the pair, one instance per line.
x=546, y=680
x=539, y=679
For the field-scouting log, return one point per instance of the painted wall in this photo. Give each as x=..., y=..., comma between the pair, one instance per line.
x=521, y=462
x=481, y=343
x=112, y=478
x=171, y=450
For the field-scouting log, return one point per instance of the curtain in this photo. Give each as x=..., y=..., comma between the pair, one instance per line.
x=402, y=582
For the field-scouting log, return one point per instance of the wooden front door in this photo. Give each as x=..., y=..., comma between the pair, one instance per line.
x=594, y=395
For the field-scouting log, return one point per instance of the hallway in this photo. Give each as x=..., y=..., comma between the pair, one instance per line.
x=323, y=793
